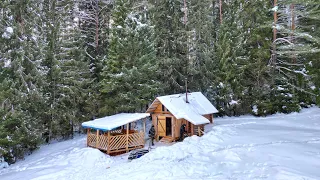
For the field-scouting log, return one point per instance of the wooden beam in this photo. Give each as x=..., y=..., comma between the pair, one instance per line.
x=88, y=131
x=199, y=132
x=173, y=126
x=97, y=139
x=144, y=125
x=108, y=146
x=212, y=120
x=157, y=129
x=192, y=129
x=127, y=146
x=144, y=129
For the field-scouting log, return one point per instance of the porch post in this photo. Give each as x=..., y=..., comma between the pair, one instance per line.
x=108, y=143
x=144, y=125
x=173, y=127
x=127, y=148
x=144, y=129
x=88, y=131
x=212, y=121
x=157, y=129
x=192, y=129
x=97, y=142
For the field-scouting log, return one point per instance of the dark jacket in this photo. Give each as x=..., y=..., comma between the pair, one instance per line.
x=183, y=129
x=152, y=132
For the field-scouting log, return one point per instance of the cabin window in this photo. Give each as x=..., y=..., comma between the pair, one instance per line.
x=163, y=108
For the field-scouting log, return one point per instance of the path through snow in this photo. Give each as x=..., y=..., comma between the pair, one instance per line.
x=275, y=147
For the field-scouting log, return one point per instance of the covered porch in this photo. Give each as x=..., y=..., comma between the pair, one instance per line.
x=114, y=134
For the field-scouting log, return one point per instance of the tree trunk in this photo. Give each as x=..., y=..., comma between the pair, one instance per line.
x=293, y=26
x=220, y=8
x=275, y=18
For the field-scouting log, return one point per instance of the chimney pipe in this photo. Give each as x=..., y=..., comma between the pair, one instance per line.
x=187, y=91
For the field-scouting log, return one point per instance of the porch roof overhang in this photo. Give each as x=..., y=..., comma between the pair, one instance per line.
x=111, y=122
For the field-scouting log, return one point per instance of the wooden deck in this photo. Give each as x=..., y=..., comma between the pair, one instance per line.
x=167, y=139
x=116, y=141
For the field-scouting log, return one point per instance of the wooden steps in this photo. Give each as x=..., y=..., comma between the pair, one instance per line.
x=167, y=139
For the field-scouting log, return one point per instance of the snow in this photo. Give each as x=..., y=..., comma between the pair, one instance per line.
x=247, y=147
x=255, y=109
x=198, y=105
x=275, y=8
x=289, y=95
x=114, y=121
x=7, y=63
x=3, y=164
x=7, y=33
x=232, y=102
x=310, y=63
x=280, y=88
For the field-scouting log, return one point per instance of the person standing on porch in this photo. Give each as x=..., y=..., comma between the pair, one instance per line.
x=152, y=133
x=182, y=132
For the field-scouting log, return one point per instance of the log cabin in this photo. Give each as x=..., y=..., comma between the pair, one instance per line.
x=170, y=112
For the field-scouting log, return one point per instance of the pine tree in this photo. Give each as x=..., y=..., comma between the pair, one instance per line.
x=94, y=19
x=21, y=80
x=295, y=48
x=172, y=43
x=66, y=69
x=129, y=74
x=228, y=58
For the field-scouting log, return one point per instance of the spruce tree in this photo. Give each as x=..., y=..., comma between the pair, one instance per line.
x=21, y=80
x=130, y=71
x=171, y=43
x=296, y=47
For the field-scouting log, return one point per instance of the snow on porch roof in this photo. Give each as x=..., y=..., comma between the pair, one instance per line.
x=198, y=105
x=114, y=121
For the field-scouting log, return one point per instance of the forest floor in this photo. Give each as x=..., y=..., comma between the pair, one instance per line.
x=274, y=147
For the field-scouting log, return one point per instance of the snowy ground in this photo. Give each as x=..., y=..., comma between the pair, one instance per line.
x=276, y=147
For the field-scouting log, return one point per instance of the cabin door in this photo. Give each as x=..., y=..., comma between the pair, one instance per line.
x=168, y=126
x=162, y=126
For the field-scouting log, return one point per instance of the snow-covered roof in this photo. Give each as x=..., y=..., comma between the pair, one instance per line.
x=114, y=121
x=193, y=111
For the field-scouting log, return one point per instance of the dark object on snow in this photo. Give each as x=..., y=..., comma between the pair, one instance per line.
x=152, y=133
x=137, y=154
x=182, y=132
x=46, y=136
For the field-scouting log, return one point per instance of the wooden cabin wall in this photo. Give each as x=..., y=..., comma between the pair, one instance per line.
x=158, y=112
x=158, y=109
x=180, y=122
x=177, y=128
x=209, y=117
x=176, y=123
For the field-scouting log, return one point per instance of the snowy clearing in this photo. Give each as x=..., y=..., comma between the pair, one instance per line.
x=276, y=147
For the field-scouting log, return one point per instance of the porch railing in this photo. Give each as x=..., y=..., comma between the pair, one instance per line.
x=117, y=142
